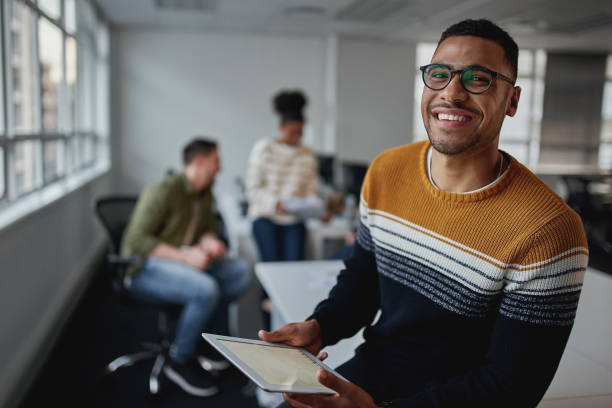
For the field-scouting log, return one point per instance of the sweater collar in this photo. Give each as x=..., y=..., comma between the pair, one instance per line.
x=478, y=195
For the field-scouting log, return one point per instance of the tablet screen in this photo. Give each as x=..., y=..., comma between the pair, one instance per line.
x=276, y=365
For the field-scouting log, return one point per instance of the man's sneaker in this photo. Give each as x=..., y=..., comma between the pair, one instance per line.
x=212, y=365
x=190, y=378
x=210, y=359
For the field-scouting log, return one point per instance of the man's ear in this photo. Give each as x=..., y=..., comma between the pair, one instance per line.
x=514, y=100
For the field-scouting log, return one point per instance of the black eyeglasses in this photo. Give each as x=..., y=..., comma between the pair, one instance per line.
x=474, y=79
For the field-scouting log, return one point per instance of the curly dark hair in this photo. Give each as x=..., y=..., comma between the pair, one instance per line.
x=489, y=30
x=289, y=104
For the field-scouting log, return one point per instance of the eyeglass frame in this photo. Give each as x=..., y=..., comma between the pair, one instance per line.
x=461, y=71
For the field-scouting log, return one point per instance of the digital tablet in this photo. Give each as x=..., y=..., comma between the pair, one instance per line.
x=273, y=367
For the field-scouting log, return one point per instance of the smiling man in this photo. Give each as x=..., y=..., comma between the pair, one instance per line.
x=475, y=264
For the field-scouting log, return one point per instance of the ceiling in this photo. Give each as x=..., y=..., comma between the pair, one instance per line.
x=552, y=24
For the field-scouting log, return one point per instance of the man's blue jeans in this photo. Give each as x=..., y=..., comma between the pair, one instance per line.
x=202, y=294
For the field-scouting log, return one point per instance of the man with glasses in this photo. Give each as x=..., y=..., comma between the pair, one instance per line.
x=475, y=265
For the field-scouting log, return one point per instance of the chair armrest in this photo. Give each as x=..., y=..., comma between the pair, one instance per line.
x=123, y=260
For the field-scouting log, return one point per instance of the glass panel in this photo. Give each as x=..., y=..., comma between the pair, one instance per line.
x=87, y=149
x=2, y=185
x=23, y=63
x=53, y=159
x=25, y=155
x=50, y=50
x=525, y=63
x=73, y=158
x=520, y=151
x=517, y=127
x=70, y=16
x=51, y=7
x=85, y=86
x=605, y=156
x=606, y=114
x=540, y=65
x=71, y=81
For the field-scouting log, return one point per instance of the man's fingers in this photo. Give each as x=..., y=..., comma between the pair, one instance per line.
x=307, y=400
x=331, y=381
x=293, y=402
x=322, y=356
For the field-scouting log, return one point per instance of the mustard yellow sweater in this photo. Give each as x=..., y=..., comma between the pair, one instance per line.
x=477, y=292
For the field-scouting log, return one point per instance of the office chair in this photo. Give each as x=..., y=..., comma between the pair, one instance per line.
x=114, y=213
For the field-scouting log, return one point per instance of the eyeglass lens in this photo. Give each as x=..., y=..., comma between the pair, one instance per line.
x=473, y=79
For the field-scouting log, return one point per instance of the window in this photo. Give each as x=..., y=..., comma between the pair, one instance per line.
x=2, y=183
x=51, y=7
x=24, y=99
x=424, y=51
x=520, y=135
x=71, y=83
x=70, y=16
x=25, y=166
x=605, y=145
x=54, y=79
x=50, y=57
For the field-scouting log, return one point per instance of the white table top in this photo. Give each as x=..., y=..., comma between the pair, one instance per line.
x=295, y=288
x=584, y=376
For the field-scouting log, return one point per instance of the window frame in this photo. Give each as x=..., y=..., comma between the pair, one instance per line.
x=62, y=175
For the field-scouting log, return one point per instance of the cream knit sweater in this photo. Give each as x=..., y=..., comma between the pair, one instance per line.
x=277, y=171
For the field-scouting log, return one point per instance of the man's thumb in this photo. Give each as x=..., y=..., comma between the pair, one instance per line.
x=273, y=336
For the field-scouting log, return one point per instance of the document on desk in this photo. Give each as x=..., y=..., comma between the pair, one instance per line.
x=307, y=207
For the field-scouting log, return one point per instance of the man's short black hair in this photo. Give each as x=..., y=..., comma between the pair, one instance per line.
x=489, y=30
x=197, y=146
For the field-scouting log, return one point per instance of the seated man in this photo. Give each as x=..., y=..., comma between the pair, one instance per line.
x=172, y=229
x=475, y=264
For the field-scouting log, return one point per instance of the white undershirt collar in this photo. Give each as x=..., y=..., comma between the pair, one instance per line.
x=491, y=184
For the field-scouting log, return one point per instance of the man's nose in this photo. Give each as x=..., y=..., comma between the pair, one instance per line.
x=454, y=91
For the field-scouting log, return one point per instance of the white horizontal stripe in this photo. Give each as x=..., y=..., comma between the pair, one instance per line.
x=442, y=257
x=482, y=276
x=472, y=250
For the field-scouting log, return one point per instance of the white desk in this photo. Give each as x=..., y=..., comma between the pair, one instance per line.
x=584, y=377
x=295, y=288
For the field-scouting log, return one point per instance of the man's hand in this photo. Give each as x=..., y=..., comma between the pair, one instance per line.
x=304, y=334
x=347, y=395
x=212, y=246
x=196, y=258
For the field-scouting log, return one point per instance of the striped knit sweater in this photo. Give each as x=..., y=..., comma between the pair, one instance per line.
x=278, y=171
x=477, y=292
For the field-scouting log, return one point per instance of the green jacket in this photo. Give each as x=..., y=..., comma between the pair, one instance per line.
x=162, y=215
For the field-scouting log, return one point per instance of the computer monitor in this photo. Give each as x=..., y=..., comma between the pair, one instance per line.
x=352, y=177
x=326, y=168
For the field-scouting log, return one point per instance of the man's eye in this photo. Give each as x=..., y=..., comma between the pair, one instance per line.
x=438, y=75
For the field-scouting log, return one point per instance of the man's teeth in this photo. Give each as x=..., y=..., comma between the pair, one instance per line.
x=444, y=116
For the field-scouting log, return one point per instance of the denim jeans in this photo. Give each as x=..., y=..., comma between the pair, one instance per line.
x=202, y=294
x=277, y=242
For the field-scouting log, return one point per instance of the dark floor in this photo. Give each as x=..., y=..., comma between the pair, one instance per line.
x=99, y=331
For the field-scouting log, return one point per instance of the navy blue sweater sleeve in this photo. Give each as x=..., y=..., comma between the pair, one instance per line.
x=354, y=300
x=515, y=372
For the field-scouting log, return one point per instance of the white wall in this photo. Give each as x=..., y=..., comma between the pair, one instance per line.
x=374, y=97
x=169, y=86
x=45, y=261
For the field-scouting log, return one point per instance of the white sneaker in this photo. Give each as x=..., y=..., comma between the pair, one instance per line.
x=209, y=364
x=190, y=379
